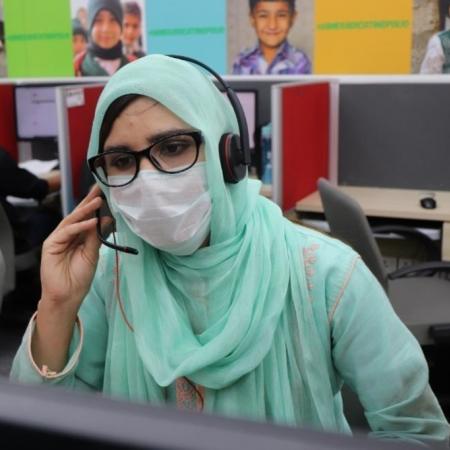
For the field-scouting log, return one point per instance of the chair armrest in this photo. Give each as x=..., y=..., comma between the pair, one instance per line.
x=431, y=267
x=440, y=333
x=431, y=246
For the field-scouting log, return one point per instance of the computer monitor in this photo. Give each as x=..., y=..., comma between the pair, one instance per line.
x=248, y=100
x=51, y=418
x=395, y=134
x=36, y=112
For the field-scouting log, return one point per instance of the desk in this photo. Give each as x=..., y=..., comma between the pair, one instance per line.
x=395, y=204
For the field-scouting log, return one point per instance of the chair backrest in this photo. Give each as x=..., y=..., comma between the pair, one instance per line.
x=7, y=249
x=348, y=223
x=2, y=277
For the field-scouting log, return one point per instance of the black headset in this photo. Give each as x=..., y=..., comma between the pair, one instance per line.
x=234, y=150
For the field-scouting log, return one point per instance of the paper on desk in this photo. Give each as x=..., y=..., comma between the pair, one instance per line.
x=38, y=167
x=17, y=201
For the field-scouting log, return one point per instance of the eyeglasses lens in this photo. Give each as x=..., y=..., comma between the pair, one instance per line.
x=172, y=155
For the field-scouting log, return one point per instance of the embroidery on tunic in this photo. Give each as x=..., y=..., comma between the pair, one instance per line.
x=309, y=257
x=187, y=397
x=343, y=287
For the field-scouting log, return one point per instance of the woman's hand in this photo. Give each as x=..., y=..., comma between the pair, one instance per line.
x=70, y=255
x=69, y=260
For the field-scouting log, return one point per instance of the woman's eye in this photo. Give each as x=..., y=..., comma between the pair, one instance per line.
x=173, y=148
x=122, y=162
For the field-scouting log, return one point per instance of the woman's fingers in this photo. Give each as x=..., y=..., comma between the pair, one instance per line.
x=81, y=212
x=105, y=221
x=94, y=192
x=92, y=242
x=64, y=236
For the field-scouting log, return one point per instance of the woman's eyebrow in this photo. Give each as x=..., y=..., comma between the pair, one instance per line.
x=150, y=139
x=167, y=133
x=112, y=148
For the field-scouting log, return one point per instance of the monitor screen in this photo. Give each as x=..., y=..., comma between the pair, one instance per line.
x=395, y=135
x=249, y=104
x=36, y=112
x=45, y=417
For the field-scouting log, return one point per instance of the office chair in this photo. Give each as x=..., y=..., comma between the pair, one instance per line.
x=420, y=300
x=2, y=277
x=13, y=262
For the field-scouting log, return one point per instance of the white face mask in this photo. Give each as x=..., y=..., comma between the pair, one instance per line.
x=172, y=212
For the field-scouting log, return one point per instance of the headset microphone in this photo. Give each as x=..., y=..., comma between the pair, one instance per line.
x=120, y=248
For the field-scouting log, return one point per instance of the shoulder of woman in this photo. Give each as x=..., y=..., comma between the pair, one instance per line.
x=328, y=262
x=324, y=245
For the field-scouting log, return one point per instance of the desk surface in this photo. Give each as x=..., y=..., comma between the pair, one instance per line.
x=389, y=203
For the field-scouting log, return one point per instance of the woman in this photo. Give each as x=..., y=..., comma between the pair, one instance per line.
x=228, y=307
x=104, y=55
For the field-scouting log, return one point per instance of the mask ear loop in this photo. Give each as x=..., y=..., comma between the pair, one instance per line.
x=117, y=286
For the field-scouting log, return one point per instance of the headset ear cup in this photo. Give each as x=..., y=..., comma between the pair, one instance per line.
x=231, y=158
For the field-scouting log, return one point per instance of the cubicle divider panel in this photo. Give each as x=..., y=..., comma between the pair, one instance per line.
x=304, y=121
x=80, y=118
x=395, y=135
x=76, y=109
x=8, y=138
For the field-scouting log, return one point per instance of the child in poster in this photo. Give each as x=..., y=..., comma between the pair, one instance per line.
x=79, y=37
x=132, y=30
x=437, y=56
x=273, y=54
x=108, y=43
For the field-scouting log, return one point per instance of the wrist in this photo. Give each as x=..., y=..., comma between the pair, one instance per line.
x=51, y=307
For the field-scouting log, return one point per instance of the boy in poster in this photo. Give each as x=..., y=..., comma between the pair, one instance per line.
x=132, y=30
x=437, y=56
x=272, y=21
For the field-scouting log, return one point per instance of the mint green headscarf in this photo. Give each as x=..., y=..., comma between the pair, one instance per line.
x=224, y=316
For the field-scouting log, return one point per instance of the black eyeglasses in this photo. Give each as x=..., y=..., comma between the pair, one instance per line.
x=171, y=154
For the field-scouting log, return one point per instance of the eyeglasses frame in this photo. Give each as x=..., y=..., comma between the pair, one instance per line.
x=138, y=155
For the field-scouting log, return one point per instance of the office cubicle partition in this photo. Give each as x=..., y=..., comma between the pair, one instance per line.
x=8, y=139
x=395, y=133
x=76, y=108
x=304, y=142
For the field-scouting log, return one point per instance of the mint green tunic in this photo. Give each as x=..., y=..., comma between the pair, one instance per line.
x=362, y=340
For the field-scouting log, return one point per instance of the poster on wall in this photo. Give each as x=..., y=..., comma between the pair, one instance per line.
x=191, y=28
x=38, y=38
x=355, y=37
x=270, y=38
x=431, y=37
x=3, y=71
x=106, y=35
